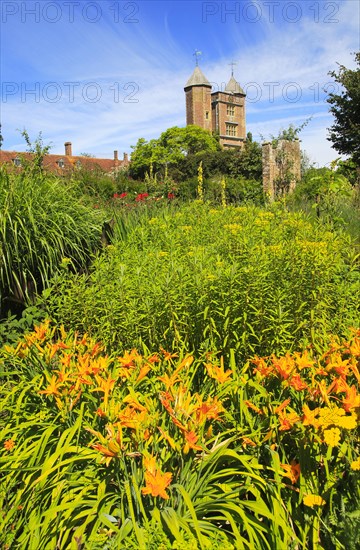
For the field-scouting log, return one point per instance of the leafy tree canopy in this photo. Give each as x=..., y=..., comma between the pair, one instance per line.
x=171, y=147
x=345, y=106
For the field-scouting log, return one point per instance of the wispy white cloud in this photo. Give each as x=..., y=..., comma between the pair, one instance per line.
x=154, y=56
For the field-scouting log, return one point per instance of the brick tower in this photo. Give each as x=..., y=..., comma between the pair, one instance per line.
x=222, y=112
x=198, y=100
x=228, y=115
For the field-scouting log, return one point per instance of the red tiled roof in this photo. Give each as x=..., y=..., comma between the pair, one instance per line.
x=51, y=162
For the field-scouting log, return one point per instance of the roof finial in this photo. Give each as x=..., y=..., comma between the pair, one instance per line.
x=197, y=54
x=233, y=63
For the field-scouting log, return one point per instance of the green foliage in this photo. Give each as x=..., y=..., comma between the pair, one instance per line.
x=42, y=224
x=349, y=170
x=329, y=194
x=169, y=149
x=246, y=163
x=93, y=183
x=345, y=106
x=178, y=452
x=38, y=151
x=252, y=280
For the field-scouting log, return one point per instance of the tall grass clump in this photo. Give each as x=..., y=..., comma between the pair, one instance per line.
x=241, y=278
x=43, y=226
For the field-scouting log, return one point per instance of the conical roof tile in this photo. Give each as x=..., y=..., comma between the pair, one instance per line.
x=234, y=87
x=197, y=79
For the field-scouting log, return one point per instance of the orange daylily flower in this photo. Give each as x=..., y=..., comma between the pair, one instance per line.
x=156, y=481
x=105, y=450
x=96, y=348
x=354, y=347
x=323, y=390
x=54, y=348
x=110, y=446
x=168, y=356
x=128, y=359
x=131, y=418
x=338, y=385
x=297, y=383
x=149, y=462
x=337, y=364
x=351, y=400
x=287, y=420
x=209, y=409
x=284, y=366
x=145, y=369
x=303, y=361
x=292, y=471
x=190, y=442
x=153, y=359
x=309, y=417
x=169, y=381
x=42, y=329
x=133, y=402
x=53, y=386
x=281, y=407
x=355, y=370
x=218, y=373
x=156, y=484
x=246, y=441
x=253, y=407
x=261, y=367
x=105, y=386
x=186, y=362
x=183, y=402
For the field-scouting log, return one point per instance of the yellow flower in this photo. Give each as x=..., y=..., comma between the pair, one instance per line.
x=347, y=422
x=313, y=500
x=331, y=416
x=332, y=437
x=355, y=465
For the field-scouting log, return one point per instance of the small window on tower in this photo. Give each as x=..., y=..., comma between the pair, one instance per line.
x=207, y=115
x=17, y=161
x=230, y=110
x=231, y=130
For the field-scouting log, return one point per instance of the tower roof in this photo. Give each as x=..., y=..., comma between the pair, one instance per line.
x=197, y=79
x=234, y=87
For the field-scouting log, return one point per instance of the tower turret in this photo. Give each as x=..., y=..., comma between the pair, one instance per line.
x=228, y=114
x=198, y=100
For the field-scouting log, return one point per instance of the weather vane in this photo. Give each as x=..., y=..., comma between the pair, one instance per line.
x=197, y=54
x=232, y=64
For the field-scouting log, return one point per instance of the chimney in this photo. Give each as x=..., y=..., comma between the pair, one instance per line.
x=126, y=158
x=68, y=149
x=116, y=155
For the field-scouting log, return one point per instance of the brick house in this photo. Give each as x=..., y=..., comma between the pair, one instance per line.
x=63, y=164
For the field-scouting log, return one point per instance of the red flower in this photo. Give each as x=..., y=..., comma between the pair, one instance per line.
x=141, y=197
x=171, y=196
x=123, y=195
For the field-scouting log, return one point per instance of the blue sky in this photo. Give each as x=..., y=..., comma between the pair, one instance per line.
x=103, y=74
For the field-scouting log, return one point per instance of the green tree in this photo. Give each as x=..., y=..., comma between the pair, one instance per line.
x=170, y=148
x=38, y=151
x=345, y=106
